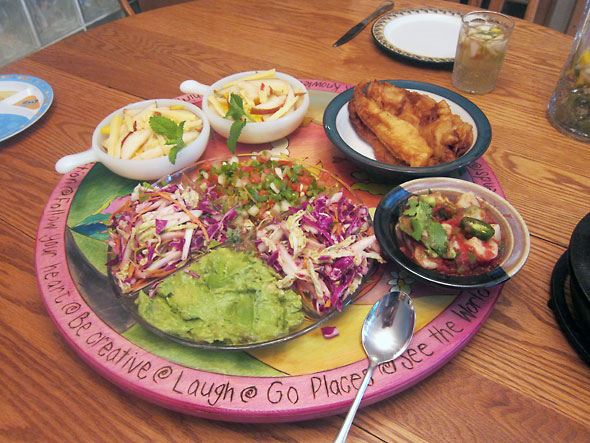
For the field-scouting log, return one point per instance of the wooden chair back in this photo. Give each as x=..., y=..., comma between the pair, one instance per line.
x=496, y=5
x=146, y=5
x=126, y=7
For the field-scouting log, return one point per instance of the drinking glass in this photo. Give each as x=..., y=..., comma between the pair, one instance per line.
x=482, y=46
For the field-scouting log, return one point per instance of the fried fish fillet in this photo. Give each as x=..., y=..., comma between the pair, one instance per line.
x=382, y=154
x=446, y=133
x=410, y=106
x=400, y=137
x=449, y=136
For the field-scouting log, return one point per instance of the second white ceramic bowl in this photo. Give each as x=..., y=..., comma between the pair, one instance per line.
x=253, y=132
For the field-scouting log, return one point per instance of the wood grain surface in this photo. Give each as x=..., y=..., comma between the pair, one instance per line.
x=517, y=380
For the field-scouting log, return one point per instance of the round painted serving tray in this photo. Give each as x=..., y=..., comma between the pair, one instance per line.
x=308, y=377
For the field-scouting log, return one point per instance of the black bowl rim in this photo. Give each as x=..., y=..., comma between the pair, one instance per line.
x=388, y=211
x=482, y=142
x=580, y=302
x=561, y=310
x=579, y=255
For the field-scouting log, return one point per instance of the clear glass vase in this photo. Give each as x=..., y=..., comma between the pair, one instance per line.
x=569, y=107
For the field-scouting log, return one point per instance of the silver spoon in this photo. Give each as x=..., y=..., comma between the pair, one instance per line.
x=387, y=332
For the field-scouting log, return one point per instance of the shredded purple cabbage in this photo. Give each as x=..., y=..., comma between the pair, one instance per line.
x=152, y=251
x=337, y=238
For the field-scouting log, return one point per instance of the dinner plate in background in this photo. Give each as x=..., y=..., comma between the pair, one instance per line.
x=23, y=101
x=424, y=34
x=341, y=133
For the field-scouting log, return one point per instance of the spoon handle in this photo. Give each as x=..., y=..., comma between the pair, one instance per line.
x=341, y=438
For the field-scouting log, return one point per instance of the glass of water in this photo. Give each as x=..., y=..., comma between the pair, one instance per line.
x=482, y=46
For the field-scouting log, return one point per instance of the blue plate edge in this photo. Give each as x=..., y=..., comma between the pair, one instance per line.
x=47, y=99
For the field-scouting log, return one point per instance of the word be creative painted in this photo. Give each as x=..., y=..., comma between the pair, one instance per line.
x=131, y=361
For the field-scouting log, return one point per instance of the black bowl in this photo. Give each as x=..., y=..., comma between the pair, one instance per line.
x=579, y=265
x=514, y=232
x=341, y=133
x=580, y=304
x=564, y=307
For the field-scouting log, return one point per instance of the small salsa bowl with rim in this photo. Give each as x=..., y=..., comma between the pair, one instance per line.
x=515, y=234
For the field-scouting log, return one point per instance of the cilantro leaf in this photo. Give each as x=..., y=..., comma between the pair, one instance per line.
x=173, y=132
x=419, y=213
x=412, y=207
x=423, y=228
x=240, y=116
x=418, y=227
x=437, y=238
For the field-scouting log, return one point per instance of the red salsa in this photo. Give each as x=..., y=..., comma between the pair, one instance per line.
x=453, y=237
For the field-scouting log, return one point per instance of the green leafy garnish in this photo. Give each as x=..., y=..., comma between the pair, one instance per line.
x=424, y=228
x=419, y=213
x=173, y=132
x=236, y=111
x=437, y=238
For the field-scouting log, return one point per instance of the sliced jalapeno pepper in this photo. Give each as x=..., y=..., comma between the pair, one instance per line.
x=477, y=228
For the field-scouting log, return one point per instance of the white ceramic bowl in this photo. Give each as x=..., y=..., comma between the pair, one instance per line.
x=253, y=132
x=151, y=169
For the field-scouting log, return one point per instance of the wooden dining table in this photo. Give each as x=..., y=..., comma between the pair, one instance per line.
x=517, y=379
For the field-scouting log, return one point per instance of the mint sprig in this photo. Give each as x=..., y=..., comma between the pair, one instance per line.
x=173, y=132
x=237, y=113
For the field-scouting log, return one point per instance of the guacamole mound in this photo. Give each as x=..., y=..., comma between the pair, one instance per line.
x=227, y=296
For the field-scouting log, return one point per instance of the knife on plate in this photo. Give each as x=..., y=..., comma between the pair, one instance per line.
x=386, y=6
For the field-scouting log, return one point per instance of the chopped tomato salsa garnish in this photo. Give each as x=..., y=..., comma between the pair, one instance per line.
x=453, y=237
